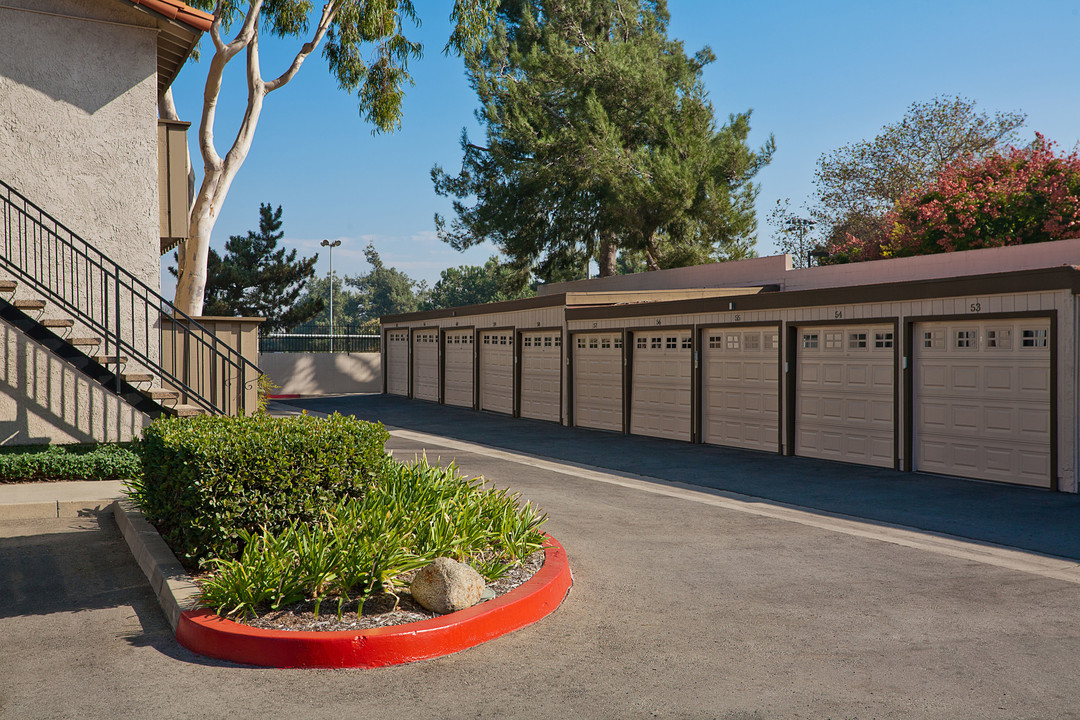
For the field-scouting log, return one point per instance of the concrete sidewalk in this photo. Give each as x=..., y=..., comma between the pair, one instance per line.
x=1030, y=519
x=39, y=501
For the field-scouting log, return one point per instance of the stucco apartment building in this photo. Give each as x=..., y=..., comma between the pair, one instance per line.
x=962, y=364
x=92, y=189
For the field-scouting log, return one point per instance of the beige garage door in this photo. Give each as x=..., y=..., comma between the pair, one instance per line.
x=425, y=360
x=844, y=394
x=541, y=375
x=740, y=388
x=397, y=362
x=598, y=381
x=497, y=371
x=660, y=389
x=982, y=400
x=458, y=367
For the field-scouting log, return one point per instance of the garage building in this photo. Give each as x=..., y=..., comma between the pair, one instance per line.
x=962, y=364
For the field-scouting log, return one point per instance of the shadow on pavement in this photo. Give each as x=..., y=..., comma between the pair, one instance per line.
x=1025, y=518
x=86, y=565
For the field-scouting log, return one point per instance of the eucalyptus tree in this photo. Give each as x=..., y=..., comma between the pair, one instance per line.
x=599, y=137
x=367, y=52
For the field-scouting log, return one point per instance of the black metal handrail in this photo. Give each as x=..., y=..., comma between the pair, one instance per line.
x=62, y=268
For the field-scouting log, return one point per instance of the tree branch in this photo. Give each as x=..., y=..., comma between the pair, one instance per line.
x=328, y=14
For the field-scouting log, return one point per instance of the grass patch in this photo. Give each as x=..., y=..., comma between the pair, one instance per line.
x=51, y=463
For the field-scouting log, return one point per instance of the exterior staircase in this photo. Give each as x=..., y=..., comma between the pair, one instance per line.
x=90, y=312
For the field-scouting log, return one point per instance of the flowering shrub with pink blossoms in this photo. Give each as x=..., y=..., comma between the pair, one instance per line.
x=1019, y=196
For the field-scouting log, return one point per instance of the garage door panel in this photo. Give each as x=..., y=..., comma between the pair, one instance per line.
x=991, y=418
x=541, y=375
x=458, y=352
x=1034, y=380
x=397, y=362
x=497, y=371
x=660, y=395
x=425, y=359
x=740, y=390
x=598, y=381
x=844, y=394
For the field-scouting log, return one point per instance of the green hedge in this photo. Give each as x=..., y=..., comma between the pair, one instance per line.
x=207, y=479
x=43, y=463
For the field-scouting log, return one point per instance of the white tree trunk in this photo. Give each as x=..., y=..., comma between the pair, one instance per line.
x=218, y=172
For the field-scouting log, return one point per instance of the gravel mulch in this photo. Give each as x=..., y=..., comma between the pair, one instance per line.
x=379, y=610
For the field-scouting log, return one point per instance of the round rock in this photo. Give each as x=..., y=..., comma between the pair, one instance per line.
x=446, y=586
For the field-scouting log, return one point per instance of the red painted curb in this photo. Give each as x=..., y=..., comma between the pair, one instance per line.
x=208, y=634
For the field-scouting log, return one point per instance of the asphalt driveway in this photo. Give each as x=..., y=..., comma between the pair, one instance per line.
x=688, y=603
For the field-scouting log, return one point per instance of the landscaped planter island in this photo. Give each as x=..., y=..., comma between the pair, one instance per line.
x=278, y=518
x=208, y=634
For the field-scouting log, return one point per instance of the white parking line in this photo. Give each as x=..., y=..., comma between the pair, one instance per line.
x=940, y=543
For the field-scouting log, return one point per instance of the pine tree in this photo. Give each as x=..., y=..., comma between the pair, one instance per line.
x=600, y=138
x=256, y=278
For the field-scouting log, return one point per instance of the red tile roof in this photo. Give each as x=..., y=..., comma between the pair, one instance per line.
x=176, y=10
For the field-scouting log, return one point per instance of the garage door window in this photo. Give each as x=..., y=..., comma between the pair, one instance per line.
x=967, y=339
x=883, y=340
x=856, y=341
x=810, y=341
x=933, y=338
x=999, y=339
x=1033, y=338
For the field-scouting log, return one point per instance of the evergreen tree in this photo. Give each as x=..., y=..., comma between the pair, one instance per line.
x=257, y=278
x=474, y=285
x=386, y=290
x=600, y=138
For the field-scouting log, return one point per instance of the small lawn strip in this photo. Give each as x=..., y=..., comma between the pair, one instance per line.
x=51, y=463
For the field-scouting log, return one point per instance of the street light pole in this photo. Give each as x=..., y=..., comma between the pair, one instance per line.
x=802, y=226
x=331, y=245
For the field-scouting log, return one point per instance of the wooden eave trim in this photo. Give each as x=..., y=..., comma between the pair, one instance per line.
x=1057, y=278
x=533, y=303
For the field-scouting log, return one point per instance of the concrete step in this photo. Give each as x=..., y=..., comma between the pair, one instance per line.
x=137, y=377
x=7, y=286
x=85, y=341
x=160, y=395
x=188, y=411
x=29, y=304
x=57, y=322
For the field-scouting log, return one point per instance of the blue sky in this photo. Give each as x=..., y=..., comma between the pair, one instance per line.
x=817, y=76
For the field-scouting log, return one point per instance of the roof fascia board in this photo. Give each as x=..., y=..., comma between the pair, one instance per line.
x=1058, y=278
x=533, y=303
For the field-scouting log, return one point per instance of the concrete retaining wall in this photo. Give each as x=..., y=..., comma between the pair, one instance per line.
x=323, y=373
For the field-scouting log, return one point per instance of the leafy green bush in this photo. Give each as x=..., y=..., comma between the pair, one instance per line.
x=206, y=480
x=42, y=463
x=410, y=515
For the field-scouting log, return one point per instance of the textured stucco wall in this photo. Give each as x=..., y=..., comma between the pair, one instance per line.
x=78, y=137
